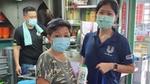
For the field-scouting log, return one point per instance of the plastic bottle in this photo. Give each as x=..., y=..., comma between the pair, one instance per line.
x=82, y=76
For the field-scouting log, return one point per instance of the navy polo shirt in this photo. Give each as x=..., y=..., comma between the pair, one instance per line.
x=115, y=49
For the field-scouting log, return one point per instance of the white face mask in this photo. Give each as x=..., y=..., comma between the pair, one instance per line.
x=32, y=22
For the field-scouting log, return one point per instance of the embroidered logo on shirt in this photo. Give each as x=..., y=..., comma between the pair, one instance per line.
x=109, y=50
x=128, y=57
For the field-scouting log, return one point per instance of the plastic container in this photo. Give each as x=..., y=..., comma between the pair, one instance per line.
x=140, y=38
x=82, y=77
x=6, y=32
x=27, y=82
x=1, y=32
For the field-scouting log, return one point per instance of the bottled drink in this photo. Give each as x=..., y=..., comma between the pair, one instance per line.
x=82, y=76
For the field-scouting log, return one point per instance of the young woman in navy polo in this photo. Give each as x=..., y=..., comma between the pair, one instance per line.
x=106, y=52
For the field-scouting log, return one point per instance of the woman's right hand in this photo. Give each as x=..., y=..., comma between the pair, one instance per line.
x=18, y=70
x=105, y=67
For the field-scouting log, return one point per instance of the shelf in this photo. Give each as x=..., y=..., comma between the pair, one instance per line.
x=3, y=57
x=74, y=22
x=3, y=68
x=28, y=76
x=82, y=6
x=4, y=22
x=143, y=42
x=6, y=42
x=1, y=21
x=5, y=75
x=8, y=39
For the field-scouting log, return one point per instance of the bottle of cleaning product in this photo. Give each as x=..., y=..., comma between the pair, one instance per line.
x=82, y=76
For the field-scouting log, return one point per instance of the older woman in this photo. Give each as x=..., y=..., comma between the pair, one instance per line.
x=53, y=66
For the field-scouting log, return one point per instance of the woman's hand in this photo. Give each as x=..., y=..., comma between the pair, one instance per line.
x=105, y=67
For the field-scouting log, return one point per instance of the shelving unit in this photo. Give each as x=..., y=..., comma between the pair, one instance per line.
x=5, y=26
x=4, y=69
x=8, y=39
x=6, y=61
x=4, y=22
x=6, y=66
x=82, y=6
x=75, y=13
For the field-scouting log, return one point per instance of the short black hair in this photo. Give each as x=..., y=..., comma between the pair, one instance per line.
x=54, y=24
x=27, y=9
x=113, y=3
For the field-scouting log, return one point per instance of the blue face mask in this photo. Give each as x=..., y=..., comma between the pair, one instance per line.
x=104, y=21
x=32, y=22
x=60, y=44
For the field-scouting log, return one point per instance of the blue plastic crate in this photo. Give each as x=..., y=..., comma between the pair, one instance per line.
x=27, y=82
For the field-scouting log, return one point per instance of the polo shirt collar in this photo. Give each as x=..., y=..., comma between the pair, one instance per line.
x=113, y=38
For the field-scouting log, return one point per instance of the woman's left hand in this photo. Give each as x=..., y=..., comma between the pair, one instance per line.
x=105, y=67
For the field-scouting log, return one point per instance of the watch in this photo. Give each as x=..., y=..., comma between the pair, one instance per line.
x=115, y=67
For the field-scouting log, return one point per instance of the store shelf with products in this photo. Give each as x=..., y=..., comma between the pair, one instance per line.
x=82, y=6
x=78, y=13
x=6, y=64
x=75, y=15
x=141, y=48
x=6, y=28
